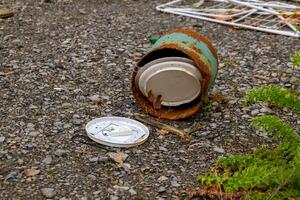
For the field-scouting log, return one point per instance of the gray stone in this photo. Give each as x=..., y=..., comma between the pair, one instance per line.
x=48, y=192
x=94, y=159
x=77, y=121
x=122, y=188
x=219, y=150
x=113, y=197
x=105, y=97
x=30, y=125
x=67, y=125
x=267, y=110
x=92, y=177
x=163, y=149
x=254, y=112
x=162, y=178
x=16, y=41
x=285, y=79
x=34, y=133
x=132, y=192
x=76, y=116
x=107, y=110
x=295, y=80
x=126, y=166
x=60, y=152
x=2, y=139
x=96, y=192
x=10, y=175
x=174, y=183
x=95, y=98
x=216, y=115
x=58, y=124
x=102, y=159
x=161, y=189
x=47, y=160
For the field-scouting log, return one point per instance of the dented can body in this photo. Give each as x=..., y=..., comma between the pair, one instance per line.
x=186, y=44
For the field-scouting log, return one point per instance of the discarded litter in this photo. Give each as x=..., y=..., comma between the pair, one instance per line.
x=118, y=157
x=273, y=17
x=31, y=172
x=173, y=78
x=117, y=131
x=165, y=128
x=5, y=12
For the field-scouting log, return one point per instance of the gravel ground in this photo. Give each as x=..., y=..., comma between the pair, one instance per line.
x=65, y=62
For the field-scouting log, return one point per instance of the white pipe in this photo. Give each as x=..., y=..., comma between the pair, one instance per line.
x=253, y=6
x=271, y=11
x=209, y=14
x=286, y=33
x=243, y=17
x=160, y=7
x=274, y=4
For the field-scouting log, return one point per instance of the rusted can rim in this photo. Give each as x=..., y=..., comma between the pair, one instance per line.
x=198, y=37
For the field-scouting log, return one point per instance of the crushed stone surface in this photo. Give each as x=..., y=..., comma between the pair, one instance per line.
x=65, y=62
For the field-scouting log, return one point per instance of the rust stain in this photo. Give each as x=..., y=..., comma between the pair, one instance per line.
x=219, y=98
x=198, y=37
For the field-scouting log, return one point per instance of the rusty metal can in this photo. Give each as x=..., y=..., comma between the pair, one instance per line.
x=182, y=63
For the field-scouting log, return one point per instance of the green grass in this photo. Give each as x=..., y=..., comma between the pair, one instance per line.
x=295, y=59
x=265, y=173
x=274, y=95
x=274, y=173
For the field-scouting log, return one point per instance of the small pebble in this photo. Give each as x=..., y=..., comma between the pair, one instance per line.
x=47, y=160
x=266, y=110
x=113, y=197
x=254, y=112
x=95, y=98
x=34, y=133
x=105, y=97
x=94, y=159
x=92, y=177
x=132, y=192
x=219, y=150
x=60, y=152
x=175, y=184
x=10, y=175
x=102, y=159
x=162, y=178
x=2, y=138
x=48, y=192
x=66, y=105
x=161, y=189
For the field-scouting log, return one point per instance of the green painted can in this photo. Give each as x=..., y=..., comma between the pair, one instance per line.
x=186, y=44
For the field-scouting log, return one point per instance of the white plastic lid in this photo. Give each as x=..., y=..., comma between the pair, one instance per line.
x=176, y=79
x=117, y=131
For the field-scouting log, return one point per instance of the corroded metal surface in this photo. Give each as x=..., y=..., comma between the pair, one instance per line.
x=183, y=43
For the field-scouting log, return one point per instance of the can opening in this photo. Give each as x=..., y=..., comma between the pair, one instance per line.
x=160, y=53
